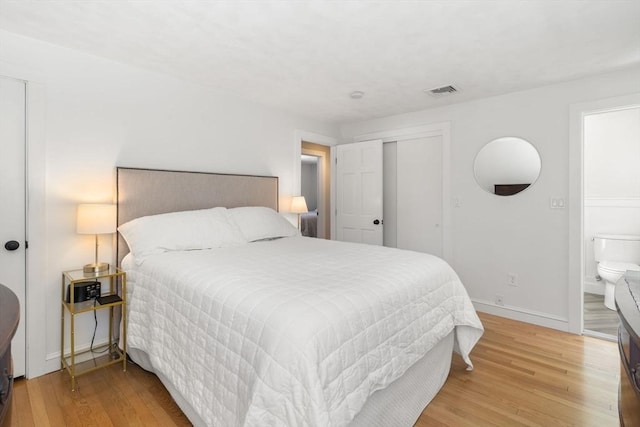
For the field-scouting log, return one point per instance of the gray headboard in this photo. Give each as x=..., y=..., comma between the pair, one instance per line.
x=142, y=192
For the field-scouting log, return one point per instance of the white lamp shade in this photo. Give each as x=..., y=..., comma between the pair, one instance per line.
x=299, y=205
x=96, y=219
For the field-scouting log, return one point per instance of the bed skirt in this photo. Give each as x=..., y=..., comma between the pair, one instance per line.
x=398, y=405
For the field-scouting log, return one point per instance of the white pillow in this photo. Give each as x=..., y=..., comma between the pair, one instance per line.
x=179, y=231
x=258, y=223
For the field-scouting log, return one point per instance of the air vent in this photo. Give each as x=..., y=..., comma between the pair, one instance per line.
x=442, y=91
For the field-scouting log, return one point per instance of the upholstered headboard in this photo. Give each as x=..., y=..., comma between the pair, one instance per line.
x=142, y=192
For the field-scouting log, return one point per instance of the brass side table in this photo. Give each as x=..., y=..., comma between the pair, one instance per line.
x=113, y=295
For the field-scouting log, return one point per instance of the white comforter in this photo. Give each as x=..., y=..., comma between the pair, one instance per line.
x=294, y=331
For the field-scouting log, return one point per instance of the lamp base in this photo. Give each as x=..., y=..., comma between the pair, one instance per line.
x=95, y=267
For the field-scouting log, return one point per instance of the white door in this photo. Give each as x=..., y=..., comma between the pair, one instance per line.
x=359, y=192
x=12, y=203
x=419, y=195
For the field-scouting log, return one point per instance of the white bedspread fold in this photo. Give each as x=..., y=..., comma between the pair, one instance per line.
x=294, y=331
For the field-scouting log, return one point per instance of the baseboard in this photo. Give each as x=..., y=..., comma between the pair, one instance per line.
x=600, y=335
x=591, y=286
x=53, y=359
x=522, y=314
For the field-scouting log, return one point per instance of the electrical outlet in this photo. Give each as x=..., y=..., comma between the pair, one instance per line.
x=512, y=279
x=556, y=203
x=499, y=300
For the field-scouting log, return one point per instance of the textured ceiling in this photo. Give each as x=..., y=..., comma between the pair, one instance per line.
x=306, y=57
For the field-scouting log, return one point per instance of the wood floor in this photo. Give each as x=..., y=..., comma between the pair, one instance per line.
x=599, y=318
x=532, y=376
x=524, y=375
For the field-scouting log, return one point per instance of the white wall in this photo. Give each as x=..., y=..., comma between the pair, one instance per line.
x=612, y=155
x=493, y=235
x=99, y=114
x=611, y=181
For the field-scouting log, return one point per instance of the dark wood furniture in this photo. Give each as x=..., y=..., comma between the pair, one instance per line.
x=508, y=189
x=627, y=295
x=9, y=317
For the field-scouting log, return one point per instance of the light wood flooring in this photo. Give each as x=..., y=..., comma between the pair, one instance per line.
x=524, y=375
x=599, y=318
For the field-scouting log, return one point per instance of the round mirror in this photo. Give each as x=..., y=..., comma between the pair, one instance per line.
x=507, y=166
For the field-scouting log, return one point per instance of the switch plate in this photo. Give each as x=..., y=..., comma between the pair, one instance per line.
x=557, y=203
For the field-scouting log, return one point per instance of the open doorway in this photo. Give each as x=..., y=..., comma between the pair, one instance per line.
x=579, y=242
x=611, y=206
x=315, y=178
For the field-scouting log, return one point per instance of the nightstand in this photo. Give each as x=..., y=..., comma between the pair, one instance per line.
x=111, y=295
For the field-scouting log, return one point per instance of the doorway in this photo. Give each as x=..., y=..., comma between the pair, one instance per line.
x=315, y=186
x=611, y=202
x=580, y=244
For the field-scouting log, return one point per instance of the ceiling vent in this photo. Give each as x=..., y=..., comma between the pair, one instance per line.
x=442, y=91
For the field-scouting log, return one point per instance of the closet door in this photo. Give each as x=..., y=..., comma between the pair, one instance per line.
x=12, y=205
x=359, y=192
x=419, y=195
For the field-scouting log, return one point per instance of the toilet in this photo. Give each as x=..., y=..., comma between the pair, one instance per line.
x=615, y=254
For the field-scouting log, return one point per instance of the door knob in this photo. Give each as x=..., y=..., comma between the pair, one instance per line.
x=376, y=221
x=11, y=245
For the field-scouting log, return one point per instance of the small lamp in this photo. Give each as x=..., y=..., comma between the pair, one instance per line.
x=298, y=206
x=96, y=219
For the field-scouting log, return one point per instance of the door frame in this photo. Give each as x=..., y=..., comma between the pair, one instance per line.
x=442, y=129
x=577, y=113
x=298, y=137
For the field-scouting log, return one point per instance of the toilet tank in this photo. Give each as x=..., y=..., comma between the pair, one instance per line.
x=617, y=247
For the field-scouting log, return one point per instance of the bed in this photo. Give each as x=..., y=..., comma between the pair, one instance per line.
x=285, y=330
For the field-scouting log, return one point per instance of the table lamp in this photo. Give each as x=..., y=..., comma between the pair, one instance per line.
x=298, y=206
x=96, y=219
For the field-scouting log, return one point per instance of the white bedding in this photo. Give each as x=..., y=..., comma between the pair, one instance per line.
x=294, y=331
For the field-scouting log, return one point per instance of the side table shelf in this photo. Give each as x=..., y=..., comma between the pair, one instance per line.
x=110, y=297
